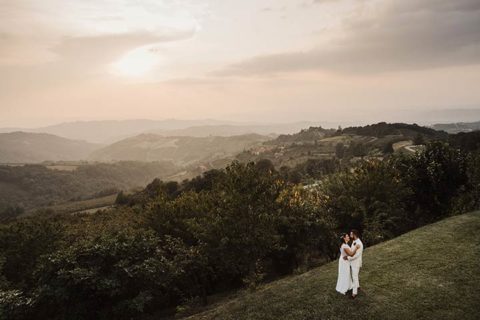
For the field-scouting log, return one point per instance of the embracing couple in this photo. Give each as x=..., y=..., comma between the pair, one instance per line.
x=349, y=263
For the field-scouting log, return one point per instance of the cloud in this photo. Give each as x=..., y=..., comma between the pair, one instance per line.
x=310, y=3
x=77, y=60
x=61, y=42
x=392, y=35
x=107, y=47
x=33, y=32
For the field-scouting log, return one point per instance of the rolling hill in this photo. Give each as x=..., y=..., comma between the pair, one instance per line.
x=24, y=147
x=109, y=131
x=181, y=150
x=429, y=273
x=382, y=129
x=351, y=143
x=237, y=129
x=457, y=127
x=32, y=187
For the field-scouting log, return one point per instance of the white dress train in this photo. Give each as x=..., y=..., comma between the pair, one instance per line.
x=344, y=281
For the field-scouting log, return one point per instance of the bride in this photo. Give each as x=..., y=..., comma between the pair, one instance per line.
x=344, y=281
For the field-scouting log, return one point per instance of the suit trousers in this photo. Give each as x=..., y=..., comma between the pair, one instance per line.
x=355, y=280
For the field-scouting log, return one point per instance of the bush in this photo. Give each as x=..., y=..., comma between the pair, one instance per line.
x=115, y=275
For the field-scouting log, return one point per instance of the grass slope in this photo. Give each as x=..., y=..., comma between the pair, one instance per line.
x=430, y=273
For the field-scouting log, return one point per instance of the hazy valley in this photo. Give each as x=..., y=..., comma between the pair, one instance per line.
x=44, y=171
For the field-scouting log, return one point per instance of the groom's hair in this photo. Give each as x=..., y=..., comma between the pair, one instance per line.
x=355, y=232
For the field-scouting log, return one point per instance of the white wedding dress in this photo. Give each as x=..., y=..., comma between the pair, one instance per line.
x=344, y=281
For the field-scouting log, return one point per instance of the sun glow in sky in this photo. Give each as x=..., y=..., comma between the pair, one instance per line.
x=136, y=63
x=281, y=60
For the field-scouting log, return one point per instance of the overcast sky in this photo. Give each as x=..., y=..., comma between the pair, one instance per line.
x=259, y=60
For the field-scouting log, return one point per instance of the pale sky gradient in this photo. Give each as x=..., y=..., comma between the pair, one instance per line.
x=258, y=60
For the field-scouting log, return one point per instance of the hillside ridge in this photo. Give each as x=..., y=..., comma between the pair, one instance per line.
x=403, y=278
x=27, y=147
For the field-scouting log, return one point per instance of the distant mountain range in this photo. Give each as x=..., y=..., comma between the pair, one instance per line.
x=110, y=131
x=107, y=132
x=233, y=130
x=23, y=147
x=27, y=147
x=207, y=144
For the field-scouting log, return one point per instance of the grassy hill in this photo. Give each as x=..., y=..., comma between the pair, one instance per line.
x=429, y=273
x=24, y=147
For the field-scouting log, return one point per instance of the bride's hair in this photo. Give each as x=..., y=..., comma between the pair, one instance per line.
x=342, y=238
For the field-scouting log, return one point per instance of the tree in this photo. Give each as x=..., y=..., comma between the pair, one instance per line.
x=419, y=140
x=265, y=165
x=22, y=243
x=243, y=230
x=357, y=149
x=121, y=199
x=388, y=149
x=114, y=275
x=339, y=150
x=436, y=176
x=304, y=229
x=371, y=198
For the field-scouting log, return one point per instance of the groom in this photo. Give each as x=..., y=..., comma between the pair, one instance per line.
x=355, y=261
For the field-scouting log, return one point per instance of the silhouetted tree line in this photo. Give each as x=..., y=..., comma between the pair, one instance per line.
x=467, y=141
x=383, y=129
x=174, y=244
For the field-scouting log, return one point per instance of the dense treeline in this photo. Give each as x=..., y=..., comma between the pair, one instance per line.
x=310, y=170
x=467, y=141
x=173, y=244
x=30, y=186
x=383, y=129
x=310, y=134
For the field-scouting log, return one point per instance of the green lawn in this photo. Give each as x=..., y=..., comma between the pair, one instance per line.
x=429, y=273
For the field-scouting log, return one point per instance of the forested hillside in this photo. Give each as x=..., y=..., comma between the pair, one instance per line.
x=316, y=147
x=29, y=187
x=382, y=129
x=167, y=249
x=181, y=150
